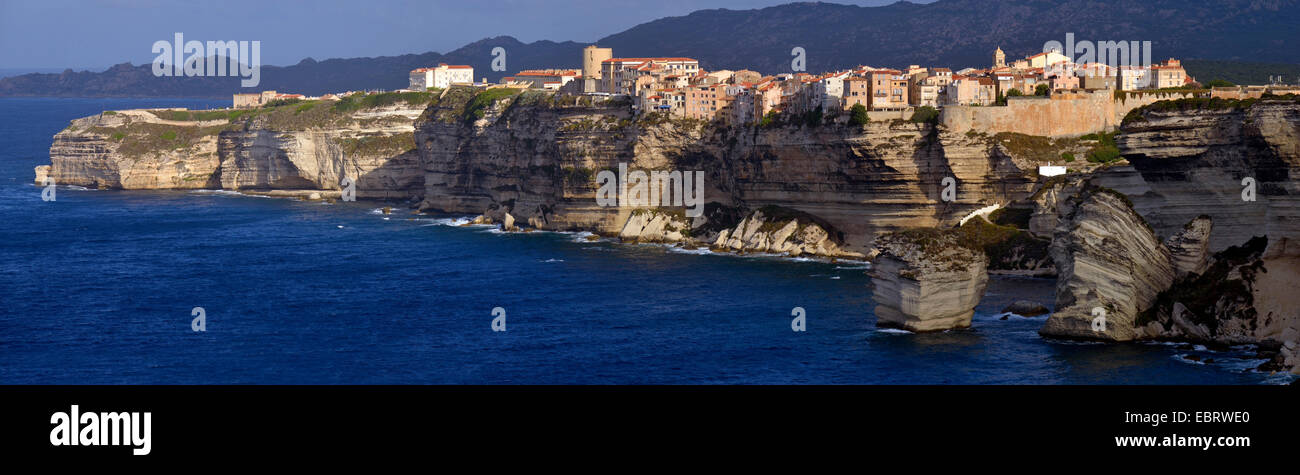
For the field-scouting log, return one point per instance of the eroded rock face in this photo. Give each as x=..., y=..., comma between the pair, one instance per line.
x=136, y=149
x=1110, y=267
x=922, y=280
x=539, y=157
x=1246, y=294
x=1202, y=161
x=655, y=226
x=769, y=231
x=1189, y=251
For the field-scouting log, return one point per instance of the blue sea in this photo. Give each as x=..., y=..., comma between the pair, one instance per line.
x=99, y=287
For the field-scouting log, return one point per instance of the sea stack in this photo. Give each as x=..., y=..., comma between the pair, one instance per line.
x=1111, y=267
x=924, y=280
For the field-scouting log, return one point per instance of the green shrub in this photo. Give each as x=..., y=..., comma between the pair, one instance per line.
x=281, y=102
x=925, y=114
x=476, y=108
x=356, y=102
x=858, y=115
x=1104, y=154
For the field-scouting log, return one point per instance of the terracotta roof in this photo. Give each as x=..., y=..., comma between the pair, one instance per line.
x=642, y=60
x=548, y=72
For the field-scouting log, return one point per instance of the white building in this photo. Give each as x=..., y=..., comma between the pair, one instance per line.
x=441, y=77
x=1132, y=78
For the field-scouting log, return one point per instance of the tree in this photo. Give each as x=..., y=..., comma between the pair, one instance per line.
x=925, y=114
x=1042, y=90
x=858, y=115
x=1219, y=83
x=1013, y=92
x=814, y=117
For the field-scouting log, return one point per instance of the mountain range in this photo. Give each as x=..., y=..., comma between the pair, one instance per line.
x=952, y=33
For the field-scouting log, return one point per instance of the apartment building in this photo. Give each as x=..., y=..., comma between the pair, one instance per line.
x=888, y=89
x=618, y=75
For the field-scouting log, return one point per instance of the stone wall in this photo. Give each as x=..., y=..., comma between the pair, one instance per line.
x=1064, y=114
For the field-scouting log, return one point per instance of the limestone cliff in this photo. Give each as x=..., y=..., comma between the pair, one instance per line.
x=1235, y=161
x=1218, y=181
x=1244, y=294
x=824, y=187
x=536, y=157
x=299, y=146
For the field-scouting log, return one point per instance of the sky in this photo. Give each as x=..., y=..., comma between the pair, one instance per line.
x=95, y=34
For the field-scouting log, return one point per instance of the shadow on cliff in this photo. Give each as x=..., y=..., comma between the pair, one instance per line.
x=932, y=167
x=400, y=176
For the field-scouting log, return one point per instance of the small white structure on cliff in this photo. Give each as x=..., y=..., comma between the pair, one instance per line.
x=1051, y=170
x=441, y=77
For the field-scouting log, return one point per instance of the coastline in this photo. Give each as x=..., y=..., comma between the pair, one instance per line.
x=455, y=170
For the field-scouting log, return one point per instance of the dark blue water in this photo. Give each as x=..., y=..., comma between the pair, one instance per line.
x=98, y=287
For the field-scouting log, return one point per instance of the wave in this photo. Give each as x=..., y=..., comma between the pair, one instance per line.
x=227, y=193
x=586, y=237
x=699, y=251
x=894, y=331
x=457, y=221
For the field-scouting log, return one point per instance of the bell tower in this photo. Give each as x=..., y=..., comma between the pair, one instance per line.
x=999, y=58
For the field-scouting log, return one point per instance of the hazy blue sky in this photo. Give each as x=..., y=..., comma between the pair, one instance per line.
x=100, y=33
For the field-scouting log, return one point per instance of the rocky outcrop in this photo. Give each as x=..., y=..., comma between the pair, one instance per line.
x=782, y=231
x=42, y=173
x=1026, y=308
x=538, y=156
x=1217, y=180
x=1246, y=294
x=925, y=280
x=298, y=147
x=1110, y=268
x=655, y=226
x=1237, y=162
x=534, y=156
x=1189, y=251
x=1046, y=202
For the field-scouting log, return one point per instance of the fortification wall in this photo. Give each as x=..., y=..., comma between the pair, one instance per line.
x=1064, y=114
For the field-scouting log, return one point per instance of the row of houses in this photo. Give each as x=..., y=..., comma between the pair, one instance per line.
x=679, y=85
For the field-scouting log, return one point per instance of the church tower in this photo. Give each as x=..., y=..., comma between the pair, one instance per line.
x=999, y=58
